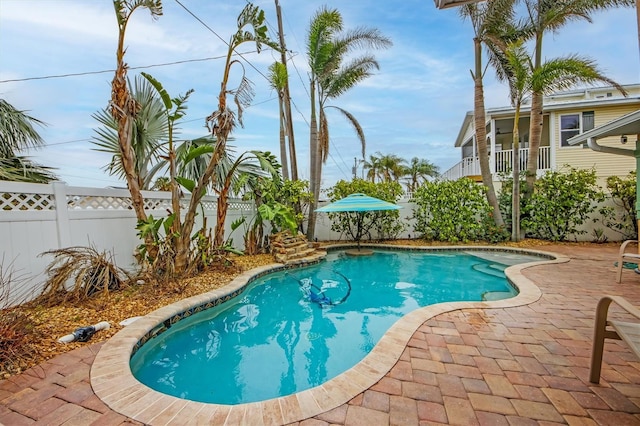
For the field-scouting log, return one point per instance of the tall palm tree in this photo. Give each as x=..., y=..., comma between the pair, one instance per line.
x=251, y=27
x=149, y=132
x=330, y=77
x=543, y=16
x=123, y=107
x=18, y=132
x=485, y=18
x=277, y=80
x=418, y=171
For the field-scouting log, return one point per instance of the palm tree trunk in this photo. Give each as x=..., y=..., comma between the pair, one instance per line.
x=222, y=207
x=283, y=146
x=535, y=134
x=314, y=184
x=479, y=119
x=287, y=99
x=535, y=123
x=515, y=200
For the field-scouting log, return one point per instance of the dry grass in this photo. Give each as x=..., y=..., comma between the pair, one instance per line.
x=43, y=325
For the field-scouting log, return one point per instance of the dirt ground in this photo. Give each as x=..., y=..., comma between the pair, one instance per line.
x=50, y=323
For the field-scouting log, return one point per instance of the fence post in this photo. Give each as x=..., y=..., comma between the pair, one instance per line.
x=62, y=214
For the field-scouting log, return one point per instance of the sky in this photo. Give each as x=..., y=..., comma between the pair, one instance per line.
x=412, y=106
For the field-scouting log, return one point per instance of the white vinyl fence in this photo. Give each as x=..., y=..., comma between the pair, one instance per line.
x=35, y=218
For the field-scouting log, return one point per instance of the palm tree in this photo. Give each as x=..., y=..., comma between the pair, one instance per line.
x=373, y=167
x=123, y=107
x=331, y=77
x=485, y=19
x=543, y=16
x=277, y=80
x=18, y=132
x=517, y=68
x=223, y=120
x=418, y=171
x=391, y=167
x=149, y=133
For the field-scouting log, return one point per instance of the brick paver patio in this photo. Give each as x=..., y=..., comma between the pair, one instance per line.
x=511, y=366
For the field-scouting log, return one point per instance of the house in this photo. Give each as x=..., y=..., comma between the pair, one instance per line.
x=566, y=114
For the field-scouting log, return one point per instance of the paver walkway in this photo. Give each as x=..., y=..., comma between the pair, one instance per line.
x=515, y=366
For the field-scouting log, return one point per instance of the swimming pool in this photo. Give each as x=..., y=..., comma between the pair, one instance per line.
x=296, y=329
x=114, y=384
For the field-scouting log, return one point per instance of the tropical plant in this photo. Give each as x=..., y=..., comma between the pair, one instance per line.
x=222, y=121
x=486, y=18
x=161, y=184
x=543, y=16
x=561, y=203
x=330, y=77
x=622, y=217
x=454, y=211
x=417, y=172
x=387, y=223
x=22, y=169
x=276, y=203
x=149, y=133
x=17, y=133
x=513, y=66
x=123, y=106
x=267, y=164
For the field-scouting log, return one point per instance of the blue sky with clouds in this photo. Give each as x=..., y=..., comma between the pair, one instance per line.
x=412, y=107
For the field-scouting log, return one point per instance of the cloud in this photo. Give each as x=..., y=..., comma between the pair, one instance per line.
x=412, y=106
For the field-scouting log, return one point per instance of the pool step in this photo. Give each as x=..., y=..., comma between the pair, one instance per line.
x=496, y=295
x=494, y=269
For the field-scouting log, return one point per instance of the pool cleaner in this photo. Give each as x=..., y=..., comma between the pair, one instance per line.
x=83, y=334
x=307, y=286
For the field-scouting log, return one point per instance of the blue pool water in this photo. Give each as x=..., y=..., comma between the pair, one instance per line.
x=273, y=340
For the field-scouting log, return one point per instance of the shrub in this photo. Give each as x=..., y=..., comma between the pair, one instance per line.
x=386, y=223
x=16, y=326
x=561, y=202
x=623, y=195
x=89, y=271
x=453, y=211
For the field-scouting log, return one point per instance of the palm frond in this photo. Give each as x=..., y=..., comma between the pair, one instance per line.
x=17, y=130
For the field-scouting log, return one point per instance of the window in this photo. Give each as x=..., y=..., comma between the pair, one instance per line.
x=573, y=124
x=588, y=120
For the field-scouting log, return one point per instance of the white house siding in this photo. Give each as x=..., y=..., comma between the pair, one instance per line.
x=579, y=157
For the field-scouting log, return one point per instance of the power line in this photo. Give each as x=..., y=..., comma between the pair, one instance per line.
x=46, y=77
x=223, y=40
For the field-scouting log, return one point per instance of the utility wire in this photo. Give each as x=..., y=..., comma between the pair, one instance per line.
x=223, y=40
x=46, y=77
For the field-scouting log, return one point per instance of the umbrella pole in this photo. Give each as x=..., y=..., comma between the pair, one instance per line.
x=359, y=228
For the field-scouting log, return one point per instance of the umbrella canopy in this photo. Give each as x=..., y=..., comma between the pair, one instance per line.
x=358, y=203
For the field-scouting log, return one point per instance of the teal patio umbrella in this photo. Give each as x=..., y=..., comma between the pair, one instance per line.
x=359, y=204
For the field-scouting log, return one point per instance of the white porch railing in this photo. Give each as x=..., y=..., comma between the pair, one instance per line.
x=470, y=166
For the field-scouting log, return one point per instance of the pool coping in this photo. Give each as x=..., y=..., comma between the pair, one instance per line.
x=115, y=385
